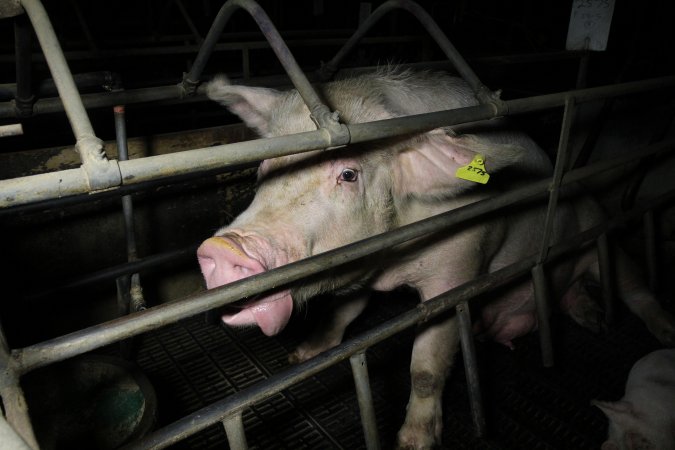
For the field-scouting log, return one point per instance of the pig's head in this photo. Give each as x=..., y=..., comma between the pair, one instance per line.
x=317, y=201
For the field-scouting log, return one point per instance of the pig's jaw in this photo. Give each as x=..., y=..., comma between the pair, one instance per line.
x=271, y=313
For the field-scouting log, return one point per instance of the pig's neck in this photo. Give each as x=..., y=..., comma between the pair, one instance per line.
x=437, y=263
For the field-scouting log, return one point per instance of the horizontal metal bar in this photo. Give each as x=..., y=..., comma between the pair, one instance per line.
x=33, y=188
x=215, y=412
x=81, y=341
x=175, y=92
x=128, y=268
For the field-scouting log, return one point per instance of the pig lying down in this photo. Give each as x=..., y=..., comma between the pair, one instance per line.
x=645, y=417
x=314, y=202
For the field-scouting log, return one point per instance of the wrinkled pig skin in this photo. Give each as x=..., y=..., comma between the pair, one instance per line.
x=645, y=417
x=314, y=202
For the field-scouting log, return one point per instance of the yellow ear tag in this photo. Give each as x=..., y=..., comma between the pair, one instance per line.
x=474, y=171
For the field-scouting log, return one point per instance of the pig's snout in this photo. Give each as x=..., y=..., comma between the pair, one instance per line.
x=223, y=261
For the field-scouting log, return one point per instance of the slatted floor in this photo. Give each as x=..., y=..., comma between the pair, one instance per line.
x=194, y=363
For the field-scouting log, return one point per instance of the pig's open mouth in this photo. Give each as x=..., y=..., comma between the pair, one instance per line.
x=223, y=261
x=270, y=313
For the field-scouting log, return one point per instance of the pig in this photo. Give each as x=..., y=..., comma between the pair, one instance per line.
x=645, y=417
x=310, y=203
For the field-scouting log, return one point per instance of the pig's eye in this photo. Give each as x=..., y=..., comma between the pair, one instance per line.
x=349, y=175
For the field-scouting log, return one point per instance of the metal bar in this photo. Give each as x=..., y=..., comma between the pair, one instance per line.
x=24, y=98
x=70, y=182
x=558, y=172
x=323, y=117
x=128, y=268
x=471, y=368
x=15, y=129
x=541, y=294
x=481, y=91
x=605, y=268
x=100, y=173
x=651, y=250
x=81, y=341
x=9, y=439
x=543, y=314
x=13, y=401
x=236, y=436
x=47, y=88
x=365, y=399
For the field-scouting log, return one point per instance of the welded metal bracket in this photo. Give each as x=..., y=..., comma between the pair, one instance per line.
x=10, y=8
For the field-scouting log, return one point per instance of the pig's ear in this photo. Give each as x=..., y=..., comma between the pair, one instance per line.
x=428, y=166
x=253, y=105
x=617, y=412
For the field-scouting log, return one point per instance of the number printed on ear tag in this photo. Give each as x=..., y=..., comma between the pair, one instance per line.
x=474, y=171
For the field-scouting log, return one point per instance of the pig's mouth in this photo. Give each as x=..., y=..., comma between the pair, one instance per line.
x=223, y=261
x=270, y=313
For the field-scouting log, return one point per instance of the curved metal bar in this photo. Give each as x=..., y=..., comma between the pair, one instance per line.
x=99, y=171
x=482, y=92
x=321, y=114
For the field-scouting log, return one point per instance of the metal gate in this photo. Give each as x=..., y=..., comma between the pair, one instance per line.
x=99, y=175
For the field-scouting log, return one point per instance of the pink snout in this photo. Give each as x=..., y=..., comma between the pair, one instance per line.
x=223, y=261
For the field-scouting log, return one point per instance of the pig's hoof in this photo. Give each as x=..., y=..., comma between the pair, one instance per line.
x=312, y=347
x=416, y=440
x=581, y=305
x=299, y=356
x=422, y=435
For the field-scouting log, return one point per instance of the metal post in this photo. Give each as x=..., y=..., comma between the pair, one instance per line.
x=471, y=368
x=543, y=314
x=13, y=400
x=24, y=98
x=100, y=172
x=651, y=250
x=605, y=267
x=236, y=436
x=365, y=398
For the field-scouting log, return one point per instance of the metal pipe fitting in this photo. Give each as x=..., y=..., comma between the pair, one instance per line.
x=99, y=173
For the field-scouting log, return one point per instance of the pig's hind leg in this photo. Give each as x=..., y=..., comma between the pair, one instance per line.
x=329, y=332
x=582, y=305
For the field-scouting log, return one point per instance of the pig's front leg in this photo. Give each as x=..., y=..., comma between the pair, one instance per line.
x=433, y=353
x=329, y=331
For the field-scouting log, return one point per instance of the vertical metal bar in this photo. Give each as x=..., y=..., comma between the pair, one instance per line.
x=471, y=368
x=236, y=436
x=13, y=400
x=24, y=98
x=558, y=172
x=651, y=250
x=605, y=267
x=538, y=275
x=365, y=398
x=131, y=294
x=543, y=314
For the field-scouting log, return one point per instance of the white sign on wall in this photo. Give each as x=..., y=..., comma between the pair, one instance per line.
x=589, y=24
